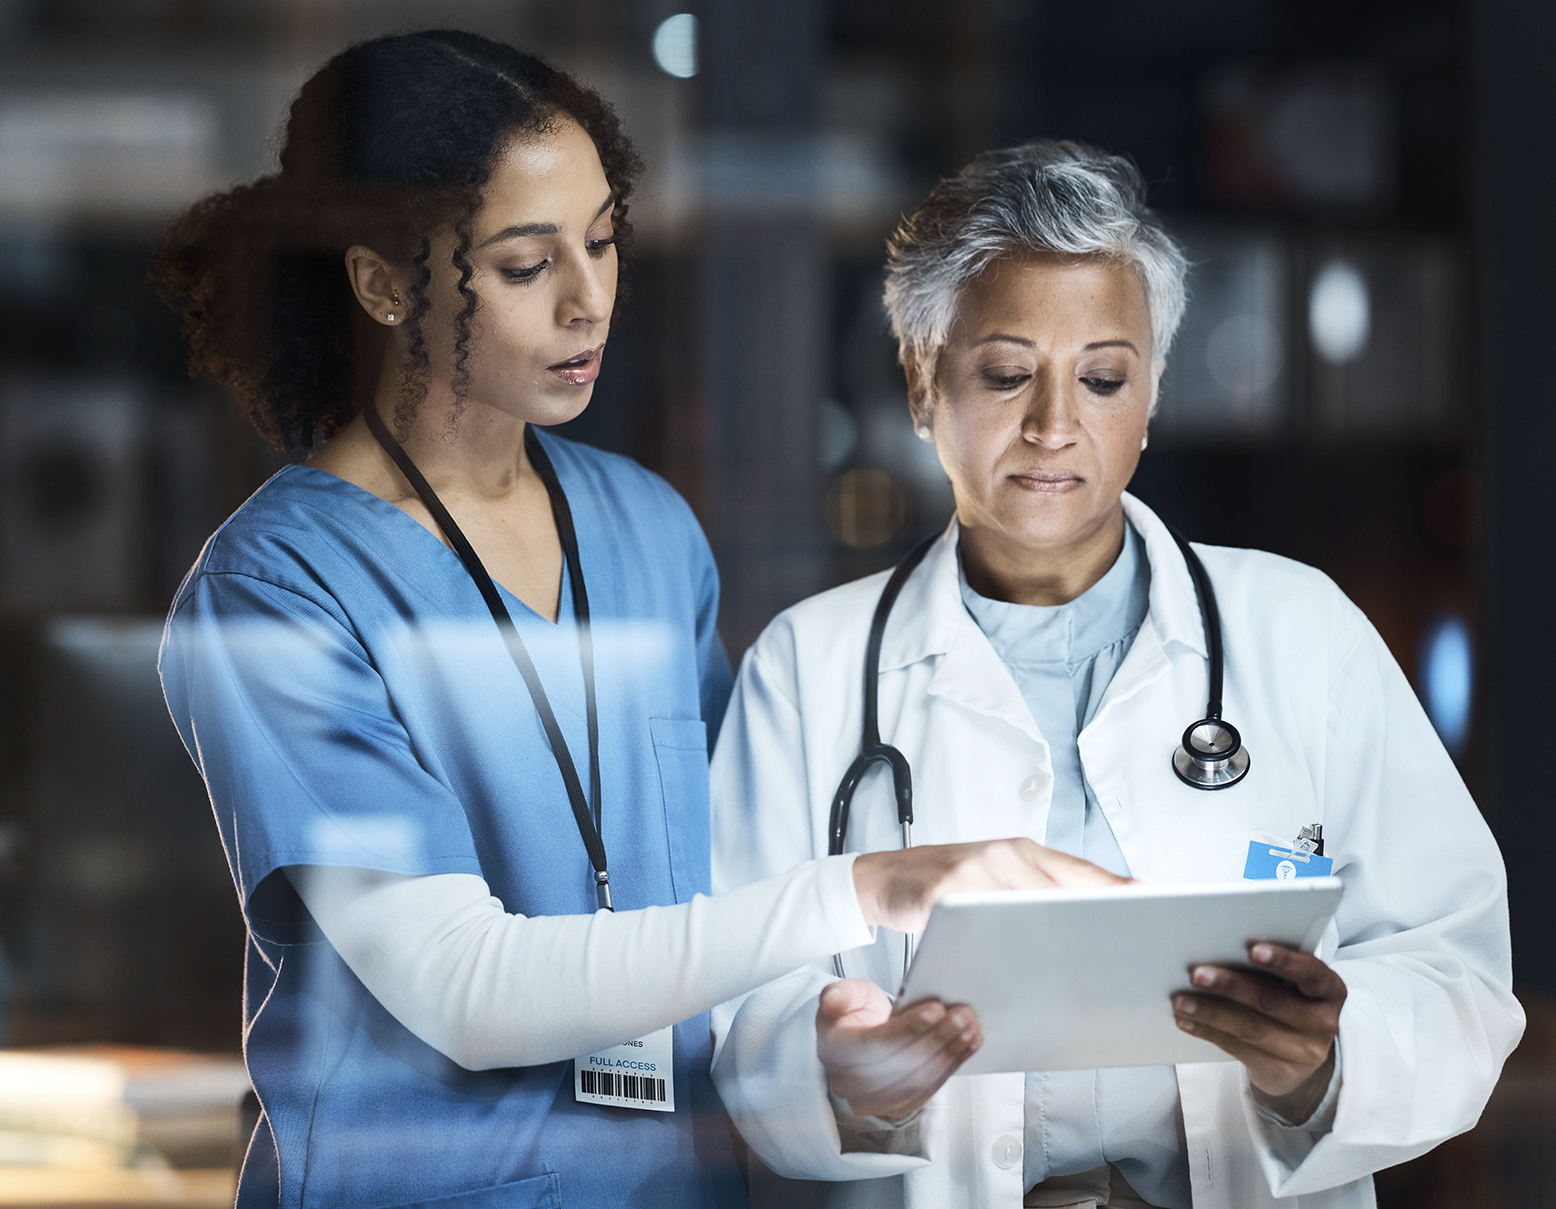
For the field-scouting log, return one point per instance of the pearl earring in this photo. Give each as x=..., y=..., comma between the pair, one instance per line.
x=1144, y=441
x=923, y=432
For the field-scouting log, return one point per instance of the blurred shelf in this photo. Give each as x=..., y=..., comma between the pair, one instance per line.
x=123, y=1189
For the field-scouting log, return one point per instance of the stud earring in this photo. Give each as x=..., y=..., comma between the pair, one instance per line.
x=389, y=318
x=1144, y=441
x=923, y=432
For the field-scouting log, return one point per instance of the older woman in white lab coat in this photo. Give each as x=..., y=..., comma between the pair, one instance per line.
x=1038, y=670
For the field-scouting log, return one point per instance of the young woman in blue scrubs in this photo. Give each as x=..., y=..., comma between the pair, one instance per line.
x=451, y=683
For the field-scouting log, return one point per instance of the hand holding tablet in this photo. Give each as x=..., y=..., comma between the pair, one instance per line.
x=1279, y=1020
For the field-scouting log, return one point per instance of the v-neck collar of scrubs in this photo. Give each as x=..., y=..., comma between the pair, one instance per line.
x=381, y=507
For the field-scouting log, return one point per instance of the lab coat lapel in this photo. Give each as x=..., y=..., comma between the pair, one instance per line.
x=931, y=620
x=1140, y=800
x=973, y=676
x=1144, y=808
x=1173, y=605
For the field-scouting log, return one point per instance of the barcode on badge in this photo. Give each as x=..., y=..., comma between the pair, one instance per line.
x=623, y=1091
x=609, y=1085
x=628, y=1075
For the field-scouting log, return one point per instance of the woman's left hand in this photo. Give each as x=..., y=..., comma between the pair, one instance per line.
x=1280, y=1023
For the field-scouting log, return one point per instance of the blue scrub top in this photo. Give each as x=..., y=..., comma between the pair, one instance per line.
x=345, y=693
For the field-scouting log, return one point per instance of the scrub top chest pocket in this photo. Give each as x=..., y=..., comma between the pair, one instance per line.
x=681, y=752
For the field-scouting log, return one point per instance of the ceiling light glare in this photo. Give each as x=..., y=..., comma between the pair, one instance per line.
x=1339, y=312
x=1244, y=355
x=675, y=46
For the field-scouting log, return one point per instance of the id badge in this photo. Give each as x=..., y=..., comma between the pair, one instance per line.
x=635, y=1074
x=1271, y=859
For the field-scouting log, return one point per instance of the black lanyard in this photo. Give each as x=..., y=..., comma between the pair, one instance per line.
x=588, y=824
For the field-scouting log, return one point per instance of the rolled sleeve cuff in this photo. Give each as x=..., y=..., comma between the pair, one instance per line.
x=840, y=902
x=1318, y=1122
x=877, y=1135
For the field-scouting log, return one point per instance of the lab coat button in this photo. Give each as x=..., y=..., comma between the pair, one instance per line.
x=1007, y=1150
x=1031, y=789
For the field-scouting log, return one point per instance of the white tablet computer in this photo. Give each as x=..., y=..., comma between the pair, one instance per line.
x=1076, y=979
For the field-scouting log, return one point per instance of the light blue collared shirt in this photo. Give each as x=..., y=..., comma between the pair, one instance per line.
x=1063, y=658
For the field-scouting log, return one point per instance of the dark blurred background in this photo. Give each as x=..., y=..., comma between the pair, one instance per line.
x=1364, y=382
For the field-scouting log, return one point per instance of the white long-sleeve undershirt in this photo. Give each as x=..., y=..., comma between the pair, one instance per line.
x=488, y=989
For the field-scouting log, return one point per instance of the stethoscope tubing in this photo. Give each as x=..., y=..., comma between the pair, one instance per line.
x=1210, y=616
x=872, y=751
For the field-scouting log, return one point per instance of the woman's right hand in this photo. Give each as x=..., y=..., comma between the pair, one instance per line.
x=897, y=889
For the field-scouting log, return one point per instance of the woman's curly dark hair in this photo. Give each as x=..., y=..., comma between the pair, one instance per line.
x=389, y=142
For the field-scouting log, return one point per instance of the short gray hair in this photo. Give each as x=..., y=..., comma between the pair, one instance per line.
x=1043, y=196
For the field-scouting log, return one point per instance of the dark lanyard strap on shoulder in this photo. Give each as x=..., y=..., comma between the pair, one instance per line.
x=588, y=821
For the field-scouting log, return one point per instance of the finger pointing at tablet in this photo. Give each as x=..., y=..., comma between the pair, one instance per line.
x=897, y=889
x=1280, y=1023
x=884, y=1063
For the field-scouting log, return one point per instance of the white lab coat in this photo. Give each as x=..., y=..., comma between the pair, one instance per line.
x=1336, y=737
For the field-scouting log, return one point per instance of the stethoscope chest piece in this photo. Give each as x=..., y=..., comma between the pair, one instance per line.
x=1211, y=756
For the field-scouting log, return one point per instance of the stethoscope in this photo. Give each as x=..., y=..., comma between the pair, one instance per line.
x=1210, y=756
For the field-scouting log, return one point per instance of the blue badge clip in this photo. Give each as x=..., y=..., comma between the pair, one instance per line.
x=1269, y=861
